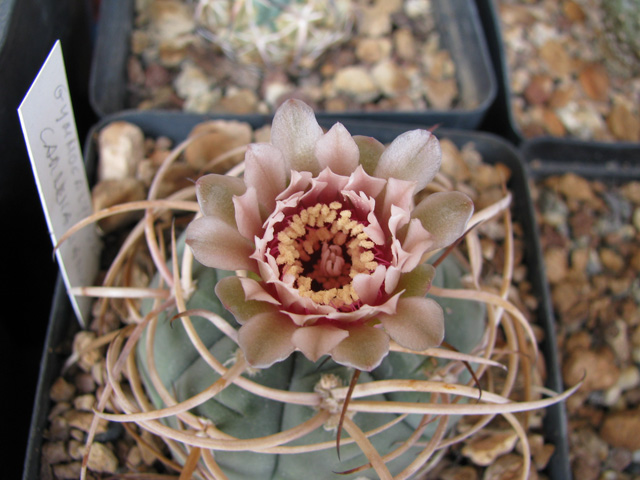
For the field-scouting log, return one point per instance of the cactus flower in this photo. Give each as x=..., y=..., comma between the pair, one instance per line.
x=328, y=242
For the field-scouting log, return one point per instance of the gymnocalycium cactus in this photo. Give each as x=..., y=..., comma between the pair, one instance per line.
x=240, y=355
x=290, y=33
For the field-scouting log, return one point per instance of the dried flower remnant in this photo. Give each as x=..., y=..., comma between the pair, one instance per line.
x=327, y=227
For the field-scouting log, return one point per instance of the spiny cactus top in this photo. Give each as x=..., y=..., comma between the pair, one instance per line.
x=326, y=226
x=290, y=33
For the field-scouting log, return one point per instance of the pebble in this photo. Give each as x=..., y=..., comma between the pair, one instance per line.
x=170, y=19
x=485, y=449
x=215, y=138
x=61, y=390
x=356, y=82
x=372, y=49
x=108, y=193
x=121, y=148
x=101, y=459
x=507, y=467
x=597, y=367
x=556, y=264
x=564, y=79
x=620, y=429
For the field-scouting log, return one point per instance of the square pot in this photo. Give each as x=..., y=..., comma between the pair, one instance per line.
x=459, y=27
x=492, y=149
x=586, y=227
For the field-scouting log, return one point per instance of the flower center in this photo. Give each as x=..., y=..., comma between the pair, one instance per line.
x=322, y=248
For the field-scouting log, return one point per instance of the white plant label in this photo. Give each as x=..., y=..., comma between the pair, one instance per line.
x=49, y=129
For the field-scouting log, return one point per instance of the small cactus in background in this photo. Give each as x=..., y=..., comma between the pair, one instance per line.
x=621, y=40
x=291, y=33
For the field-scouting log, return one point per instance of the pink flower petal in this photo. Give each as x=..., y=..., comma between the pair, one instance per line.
x=295, y=131
x=265, y=171
x=337, y=150
x=364, y=348
x=215, y=194
x=298, y=184
x=417, y=324
x=360, y=181
x=266, y=339
x=318, y=340
x=391, y=279
x=367, y=286
x=445, y=215
x=217, y=244
x=416, y=243
x=399, y=194
x=398, y=219
x=413, y=155
x=248, y=214
x=325, y=187
x=231, y=293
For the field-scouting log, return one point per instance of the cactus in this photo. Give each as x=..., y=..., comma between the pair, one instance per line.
x=269, y=399
x=290, y=33
x=245, y=415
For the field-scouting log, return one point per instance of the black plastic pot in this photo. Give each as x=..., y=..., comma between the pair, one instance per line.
x=493, y=149
x=594, y=160
x=460, y=30
x=499, y=119
x=28, y=31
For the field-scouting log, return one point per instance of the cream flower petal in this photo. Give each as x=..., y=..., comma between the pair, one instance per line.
x=266, y=339
x=417, y=282
x=413, y=155
x=445, y=215
x=217, y=244
x=318, y=340
x=337, y=150
x=417, y=324
x=294, y=132
x=255, y=291
x=232, y=295
x=370, y=152
x=364, y=348
x=215, y=194
x=265, y=171
x=248, y=214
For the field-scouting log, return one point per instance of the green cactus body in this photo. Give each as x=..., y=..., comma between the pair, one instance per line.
x=244, y=415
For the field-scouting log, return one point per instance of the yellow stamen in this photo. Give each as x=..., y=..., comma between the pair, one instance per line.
x=339, y=246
